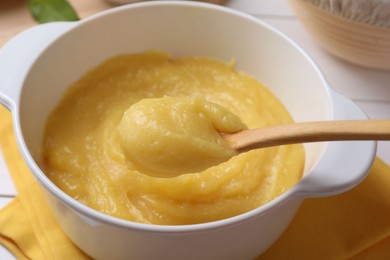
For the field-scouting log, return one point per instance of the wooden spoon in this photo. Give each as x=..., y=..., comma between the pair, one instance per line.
x=309, y=132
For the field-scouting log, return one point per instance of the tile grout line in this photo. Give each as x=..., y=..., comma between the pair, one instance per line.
x=6, y=196
x=374, y=101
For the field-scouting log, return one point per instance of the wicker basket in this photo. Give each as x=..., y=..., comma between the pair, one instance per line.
x=358, y=43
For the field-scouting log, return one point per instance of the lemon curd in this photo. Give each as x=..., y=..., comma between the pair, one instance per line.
x=138, y=138
x=169, y=136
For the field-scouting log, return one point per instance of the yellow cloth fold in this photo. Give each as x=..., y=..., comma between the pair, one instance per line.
x=354, y=225
x=27, y=227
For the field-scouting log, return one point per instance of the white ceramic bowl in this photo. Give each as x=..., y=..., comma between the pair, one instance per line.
x=39, y=64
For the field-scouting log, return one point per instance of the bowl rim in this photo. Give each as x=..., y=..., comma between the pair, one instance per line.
x=338, y=20
x=293, y=193
x=360, y=44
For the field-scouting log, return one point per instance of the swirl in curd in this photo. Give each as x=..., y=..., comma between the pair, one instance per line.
x=138, y=138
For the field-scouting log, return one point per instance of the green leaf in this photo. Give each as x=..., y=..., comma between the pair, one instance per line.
x=44, y=11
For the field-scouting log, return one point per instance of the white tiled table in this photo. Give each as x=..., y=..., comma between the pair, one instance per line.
x=368, y=88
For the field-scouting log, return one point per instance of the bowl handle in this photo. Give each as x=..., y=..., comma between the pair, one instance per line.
x=18, y=54
x=345, y=163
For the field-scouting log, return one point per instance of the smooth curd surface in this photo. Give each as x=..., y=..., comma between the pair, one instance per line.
x=86, y=154
x=169, y=136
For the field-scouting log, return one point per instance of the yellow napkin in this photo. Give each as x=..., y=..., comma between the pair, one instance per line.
x=27, y=227
x=354, y=225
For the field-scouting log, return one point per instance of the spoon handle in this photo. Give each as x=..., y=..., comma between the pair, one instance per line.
x=309, y=132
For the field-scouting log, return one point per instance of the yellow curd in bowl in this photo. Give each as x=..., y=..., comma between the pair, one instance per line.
x=138, y=138
x=169, y=136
